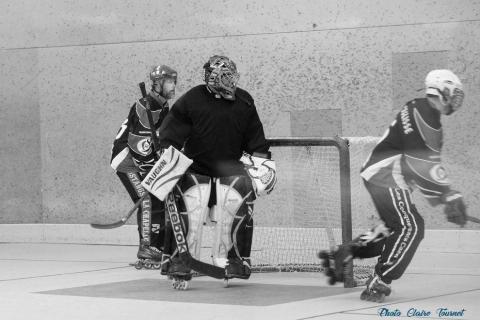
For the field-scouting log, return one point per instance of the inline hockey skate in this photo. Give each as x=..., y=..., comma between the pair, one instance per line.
x=237, y=268
x=376, y=290
x=148, y=257
x=179, y=273
x=334, y=262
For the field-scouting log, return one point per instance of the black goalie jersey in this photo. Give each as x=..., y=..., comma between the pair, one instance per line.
x=214, y=132
x=409, y=152
x=133, y=149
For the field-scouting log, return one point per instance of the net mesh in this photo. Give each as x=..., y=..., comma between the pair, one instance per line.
x=291, y=221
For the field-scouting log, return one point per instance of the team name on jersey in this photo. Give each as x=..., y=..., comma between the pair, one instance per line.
x=405, y=117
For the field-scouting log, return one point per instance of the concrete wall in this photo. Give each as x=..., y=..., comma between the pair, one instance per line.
x=69, y=71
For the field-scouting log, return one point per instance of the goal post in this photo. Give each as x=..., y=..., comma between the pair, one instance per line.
x=342, y=146
x=312, y=197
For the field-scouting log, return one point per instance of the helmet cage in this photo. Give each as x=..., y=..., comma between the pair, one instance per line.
x=221, y=76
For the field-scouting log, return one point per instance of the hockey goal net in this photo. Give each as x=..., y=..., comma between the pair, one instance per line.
x=309, y=210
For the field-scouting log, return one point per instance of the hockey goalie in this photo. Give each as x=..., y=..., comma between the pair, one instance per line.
x=215, y=124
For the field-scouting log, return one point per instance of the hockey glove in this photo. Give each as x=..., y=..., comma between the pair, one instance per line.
x=166, y=172
x=455, y=208
x=262, y=172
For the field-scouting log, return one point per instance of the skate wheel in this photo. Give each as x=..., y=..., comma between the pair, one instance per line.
x=157, y=266
x=225, y=283
x=138, y=265
x=148, y=265
x=178, y=284
x=174, y=284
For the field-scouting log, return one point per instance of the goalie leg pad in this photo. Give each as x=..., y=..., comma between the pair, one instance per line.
x=192, y=194
x=233, y=216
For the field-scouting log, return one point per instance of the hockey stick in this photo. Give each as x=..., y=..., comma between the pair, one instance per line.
x=122, y=221
x=473, y=219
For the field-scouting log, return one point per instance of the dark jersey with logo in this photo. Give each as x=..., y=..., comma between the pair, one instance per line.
x=214, y=132
x=133, y=149
x=409, y=152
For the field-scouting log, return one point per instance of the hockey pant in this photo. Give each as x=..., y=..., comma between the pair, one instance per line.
x=226, y=203
x=150, y=214
x=395, y=241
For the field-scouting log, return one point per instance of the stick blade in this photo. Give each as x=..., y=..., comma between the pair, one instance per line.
x=207, y=269
x=108, y=225
x=473, y=219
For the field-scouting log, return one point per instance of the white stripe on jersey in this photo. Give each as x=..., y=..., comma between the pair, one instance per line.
x=396, y=171
x=414, y=222
x=394, y=249
x=119, y=158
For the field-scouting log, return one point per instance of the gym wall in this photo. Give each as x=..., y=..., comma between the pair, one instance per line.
x=69, y=74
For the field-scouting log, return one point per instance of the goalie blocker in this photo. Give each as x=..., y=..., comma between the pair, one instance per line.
x=166, y=172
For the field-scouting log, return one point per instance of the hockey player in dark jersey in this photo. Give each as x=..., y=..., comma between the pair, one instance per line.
x=215, y=123
x=407, y=157
x=133, y=156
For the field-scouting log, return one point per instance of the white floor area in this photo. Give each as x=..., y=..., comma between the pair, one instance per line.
x=26, y=269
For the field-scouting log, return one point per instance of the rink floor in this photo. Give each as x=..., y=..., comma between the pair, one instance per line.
x=68, y=281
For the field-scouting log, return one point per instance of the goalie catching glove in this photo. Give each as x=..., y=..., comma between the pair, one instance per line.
x=262, y=172
x=455, y=208
x=166, y=172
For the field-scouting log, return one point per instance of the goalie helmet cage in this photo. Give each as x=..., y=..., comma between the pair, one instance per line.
x=309, y=210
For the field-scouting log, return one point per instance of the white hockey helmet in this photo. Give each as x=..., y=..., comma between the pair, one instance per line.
x=447, y=86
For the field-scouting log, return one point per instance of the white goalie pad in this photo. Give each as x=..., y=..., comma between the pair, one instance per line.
x=229, y=202
x=262, y=172
x=166, y=172
x=196, y=205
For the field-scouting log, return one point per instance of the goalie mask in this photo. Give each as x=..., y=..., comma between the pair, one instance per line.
x=158, y=75
x=221, y=76
x=447, y=87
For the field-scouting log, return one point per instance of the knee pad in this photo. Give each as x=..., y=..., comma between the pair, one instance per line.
x=192, y=194
x=233, y=216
